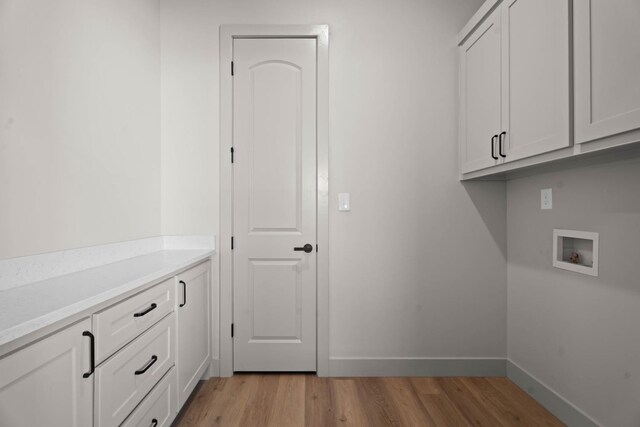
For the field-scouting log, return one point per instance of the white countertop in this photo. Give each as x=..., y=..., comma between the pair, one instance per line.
x=30, y=311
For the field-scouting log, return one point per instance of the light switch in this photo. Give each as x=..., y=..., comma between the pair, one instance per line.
x=546, y=198
x=344, y=202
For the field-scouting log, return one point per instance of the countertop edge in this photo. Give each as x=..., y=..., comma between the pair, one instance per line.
x=21, y=335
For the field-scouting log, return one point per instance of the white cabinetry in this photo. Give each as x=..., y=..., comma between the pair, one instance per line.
x=44, y=384
x=607, y=68
x=158, y=409
x=480, y=96
x=536, y=81
x=119, y=324
x=194, y=337
x=126, y=378
x=515, y=84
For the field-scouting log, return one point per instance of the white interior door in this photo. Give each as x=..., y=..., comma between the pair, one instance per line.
x=274, y=172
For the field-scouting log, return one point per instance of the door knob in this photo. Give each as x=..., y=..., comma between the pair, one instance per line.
x=306, y=248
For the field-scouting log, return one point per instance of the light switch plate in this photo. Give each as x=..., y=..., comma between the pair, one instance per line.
x=344, y=202
x=546, y=198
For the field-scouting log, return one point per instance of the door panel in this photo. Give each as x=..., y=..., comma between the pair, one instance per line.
x=607, y=68
x=480, y=91
x=274, y=171
x=536, y=76
x=275, y=299
x=275, y=122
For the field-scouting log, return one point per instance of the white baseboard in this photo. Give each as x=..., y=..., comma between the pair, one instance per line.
x=552, y=401
x=406, y=367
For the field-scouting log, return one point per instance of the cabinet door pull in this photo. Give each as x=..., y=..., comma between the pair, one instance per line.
x=184, y=293
x=142, y=313
x=92, y=345
x=154, y=423
x=493, y=147
x=147, y=365
x=500, y=144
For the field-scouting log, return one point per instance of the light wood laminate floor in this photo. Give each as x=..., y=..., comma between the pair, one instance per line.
x=306, y=400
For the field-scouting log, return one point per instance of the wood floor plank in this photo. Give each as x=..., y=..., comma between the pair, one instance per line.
x=379, y=411
x=197, y=407
x=259, y=400
x=523, y=403
x=289, y=401
x=466, y=403
x=319, y=402
x=349, y=411
x=228, y=402
x=404, y=399
x=489, y=398
x=440, y=408
x=258, y=406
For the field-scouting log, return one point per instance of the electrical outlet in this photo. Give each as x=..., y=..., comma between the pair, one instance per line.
x=344, y=202
x=546, y=198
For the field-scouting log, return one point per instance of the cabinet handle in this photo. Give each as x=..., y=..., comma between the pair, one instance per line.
x=500, y=142
x=184, y=294
x=92, y=345
x=154, y=423
x=146, y=367
x=493, y=147
x=142, y=313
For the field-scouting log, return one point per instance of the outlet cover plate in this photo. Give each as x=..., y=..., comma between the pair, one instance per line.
x=546, y=199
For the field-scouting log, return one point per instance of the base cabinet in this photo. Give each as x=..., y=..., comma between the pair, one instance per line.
x=193, y=333
x=44, y=384
x=124, y=380
x=159, y=408
x=134, y=363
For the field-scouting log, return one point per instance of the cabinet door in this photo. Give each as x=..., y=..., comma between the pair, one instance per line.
x=43, y=384
x=535, y=90
x=480, y=106
x=607, y=67
x=194, y=338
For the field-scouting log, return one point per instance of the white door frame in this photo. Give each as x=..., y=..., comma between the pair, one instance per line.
x=227, y=34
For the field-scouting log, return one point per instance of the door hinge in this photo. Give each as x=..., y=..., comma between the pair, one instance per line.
x=231, y=242
x=232, y=68
x=232, y=330
x=232, y=151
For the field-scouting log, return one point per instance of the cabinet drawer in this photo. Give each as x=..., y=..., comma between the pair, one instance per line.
x=126, y=378
x=159, y=407
x=119, y=324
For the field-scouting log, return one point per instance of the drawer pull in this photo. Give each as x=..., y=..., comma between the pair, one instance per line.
x=146, y=367
x=500, y=143
x=184, y=293
x=142, y=313
x=92, y=349
x=493, y=147
x=154, y=423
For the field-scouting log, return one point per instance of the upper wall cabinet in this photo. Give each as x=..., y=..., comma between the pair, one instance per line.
x=536, y=65
x=480, y=80
x=515, y=84
x=607, y=68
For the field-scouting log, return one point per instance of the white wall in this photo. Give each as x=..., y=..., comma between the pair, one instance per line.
x=79, y=123
x=418, y=267
x=579, y=335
